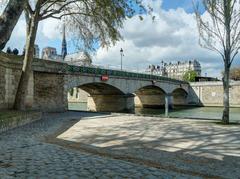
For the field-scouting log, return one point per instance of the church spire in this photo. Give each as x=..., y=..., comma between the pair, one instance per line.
x=64, y=44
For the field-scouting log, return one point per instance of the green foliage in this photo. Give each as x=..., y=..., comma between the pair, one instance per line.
x=190, y=76
x=99, y=21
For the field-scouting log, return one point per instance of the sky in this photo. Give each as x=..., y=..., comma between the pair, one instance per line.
x=172, y=37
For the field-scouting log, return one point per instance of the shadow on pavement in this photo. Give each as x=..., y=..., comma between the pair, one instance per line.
x=195, y=148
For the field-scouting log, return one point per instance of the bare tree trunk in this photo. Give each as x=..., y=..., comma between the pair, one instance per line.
x=9, y=19
x=226, y=85
x=27, y=64
x=227, y=54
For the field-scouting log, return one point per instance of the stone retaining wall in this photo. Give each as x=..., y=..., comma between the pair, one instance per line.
x=211, y=94
x=45, y=90
x=13, y=119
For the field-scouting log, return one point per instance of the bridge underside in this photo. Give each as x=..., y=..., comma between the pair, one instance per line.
x=106, y=98
x=103, y=97
x=150, y=97
x=179, y=97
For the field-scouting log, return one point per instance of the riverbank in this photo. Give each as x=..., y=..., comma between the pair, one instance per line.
x=188, y=112
x=94, y=145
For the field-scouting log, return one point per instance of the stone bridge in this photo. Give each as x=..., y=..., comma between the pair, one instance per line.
x=110, y=90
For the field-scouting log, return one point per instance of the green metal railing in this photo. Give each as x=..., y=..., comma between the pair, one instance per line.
x=118, y=73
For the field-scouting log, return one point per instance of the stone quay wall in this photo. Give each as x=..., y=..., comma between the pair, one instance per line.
x=211, y=94
x=45, y=90
x=9, y=78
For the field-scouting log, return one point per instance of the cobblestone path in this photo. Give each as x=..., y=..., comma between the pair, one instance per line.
x=26, y=154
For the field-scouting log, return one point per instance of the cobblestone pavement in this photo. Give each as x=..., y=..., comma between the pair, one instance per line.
x=33, y=152
x=198, y=147
x=24, y=154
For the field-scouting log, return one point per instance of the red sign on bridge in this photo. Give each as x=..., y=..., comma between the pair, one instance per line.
x=104, y=77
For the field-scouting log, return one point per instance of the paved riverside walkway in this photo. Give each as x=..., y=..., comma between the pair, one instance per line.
x=119, y=146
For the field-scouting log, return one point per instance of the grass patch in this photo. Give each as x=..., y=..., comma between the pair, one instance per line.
x=10, y=119
x=9, y=114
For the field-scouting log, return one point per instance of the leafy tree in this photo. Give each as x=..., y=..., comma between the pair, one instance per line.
x=9, y=51
x=190, y=76
x=235, y=74
x=221, y=33
x=9, y=19
x=90, y=22
x=15, y=51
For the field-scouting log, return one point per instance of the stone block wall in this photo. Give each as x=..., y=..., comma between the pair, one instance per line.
x=179, y=98
x=49, y=92
x=10, y=72
x=9, y=79
x=2, y=87
x=150, y=101
x=211, y=94
x=45, y=90
x=110, y=103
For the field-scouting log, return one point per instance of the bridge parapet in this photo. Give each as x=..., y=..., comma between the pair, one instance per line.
x=47, y=66
x=118, y=73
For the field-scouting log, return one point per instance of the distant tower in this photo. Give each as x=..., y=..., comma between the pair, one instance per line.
x=64, y=44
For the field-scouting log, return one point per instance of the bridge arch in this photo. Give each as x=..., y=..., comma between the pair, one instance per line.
x=150, y=96
x=97, y=88
x=179, y=96
x=103, y=97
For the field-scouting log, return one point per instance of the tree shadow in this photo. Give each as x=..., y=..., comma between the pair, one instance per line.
x=197, y=148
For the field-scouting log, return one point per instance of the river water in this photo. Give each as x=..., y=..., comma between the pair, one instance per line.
x=189, y=112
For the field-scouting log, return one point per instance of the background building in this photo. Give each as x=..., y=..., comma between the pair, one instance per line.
x=79, y=59
x=36, y=51
x=176, y=70
x=50, y=53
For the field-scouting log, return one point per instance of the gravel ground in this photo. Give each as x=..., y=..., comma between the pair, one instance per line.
x=33, y=152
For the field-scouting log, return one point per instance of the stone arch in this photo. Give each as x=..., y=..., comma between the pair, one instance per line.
x=179, y=97
x=100, y=89
x=150, y=97
x=72, y=81
x=104, y=97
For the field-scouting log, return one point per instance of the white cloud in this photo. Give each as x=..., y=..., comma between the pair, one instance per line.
x=173, y=36
x=49, y=31
x=18, y=37
x=50, y=28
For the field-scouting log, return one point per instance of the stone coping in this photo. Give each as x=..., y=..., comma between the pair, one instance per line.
x=10, y=119
x=214, y=83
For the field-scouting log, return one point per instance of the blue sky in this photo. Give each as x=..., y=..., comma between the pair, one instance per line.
x=56, y=42
x=166, y=5
x=172, y=37
x=174, y=4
